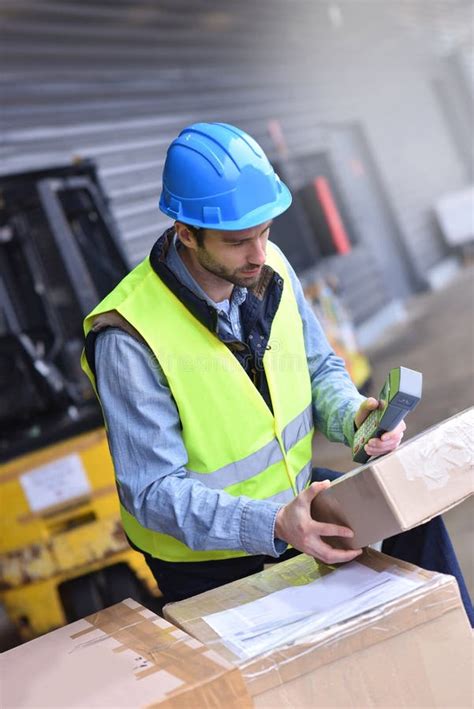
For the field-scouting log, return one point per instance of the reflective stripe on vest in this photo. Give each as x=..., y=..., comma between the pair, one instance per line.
x=233, y=440
x=260, y=460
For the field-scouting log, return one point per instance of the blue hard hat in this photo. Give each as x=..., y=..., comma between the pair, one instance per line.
x=218, y=177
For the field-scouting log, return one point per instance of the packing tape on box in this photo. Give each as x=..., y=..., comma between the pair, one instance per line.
x=159, y=648
x=448, y=448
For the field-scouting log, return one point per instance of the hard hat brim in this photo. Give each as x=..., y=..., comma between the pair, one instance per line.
x=258, y=216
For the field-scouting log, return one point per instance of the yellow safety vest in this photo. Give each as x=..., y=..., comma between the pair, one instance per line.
x=233, y=440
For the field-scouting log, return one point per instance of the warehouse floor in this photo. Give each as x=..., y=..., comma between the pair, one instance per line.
x=437, y=339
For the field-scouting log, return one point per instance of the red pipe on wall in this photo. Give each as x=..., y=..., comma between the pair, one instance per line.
x=333, y=218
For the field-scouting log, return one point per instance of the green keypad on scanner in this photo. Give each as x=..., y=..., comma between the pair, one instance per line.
x=400, y=394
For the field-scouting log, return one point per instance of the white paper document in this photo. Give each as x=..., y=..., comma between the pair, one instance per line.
x=284, y=616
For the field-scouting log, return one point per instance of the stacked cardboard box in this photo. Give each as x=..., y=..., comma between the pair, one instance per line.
x=415, y=650
x=123, y=656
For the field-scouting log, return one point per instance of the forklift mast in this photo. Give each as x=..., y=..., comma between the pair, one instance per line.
x=60, y=255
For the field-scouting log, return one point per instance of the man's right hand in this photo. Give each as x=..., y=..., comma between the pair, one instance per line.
x=295, y=526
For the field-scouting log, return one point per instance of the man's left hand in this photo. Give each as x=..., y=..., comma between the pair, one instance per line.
x=389, y=441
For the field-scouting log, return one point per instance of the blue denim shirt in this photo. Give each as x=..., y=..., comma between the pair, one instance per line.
x=145, y=437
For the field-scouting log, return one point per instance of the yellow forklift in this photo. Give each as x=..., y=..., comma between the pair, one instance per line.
x=63, y=554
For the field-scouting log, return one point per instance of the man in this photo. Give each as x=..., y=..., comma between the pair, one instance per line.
x=210, y=368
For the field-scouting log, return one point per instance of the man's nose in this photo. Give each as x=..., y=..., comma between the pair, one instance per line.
x=258, y=253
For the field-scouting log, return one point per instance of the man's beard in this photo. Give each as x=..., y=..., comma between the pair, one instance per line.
x=236, y=277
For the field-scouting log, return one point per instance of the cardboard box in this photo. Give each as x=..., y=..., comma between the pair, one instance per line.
x=424, y=477
x=123, y=656
x=414, y=651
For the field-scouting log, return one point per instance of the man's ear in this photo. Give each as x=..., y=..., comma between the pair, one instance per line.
x=185, y=235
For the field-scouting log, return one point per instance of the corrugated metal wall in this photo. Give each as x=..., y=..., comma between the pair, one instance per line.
x=116, y=81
